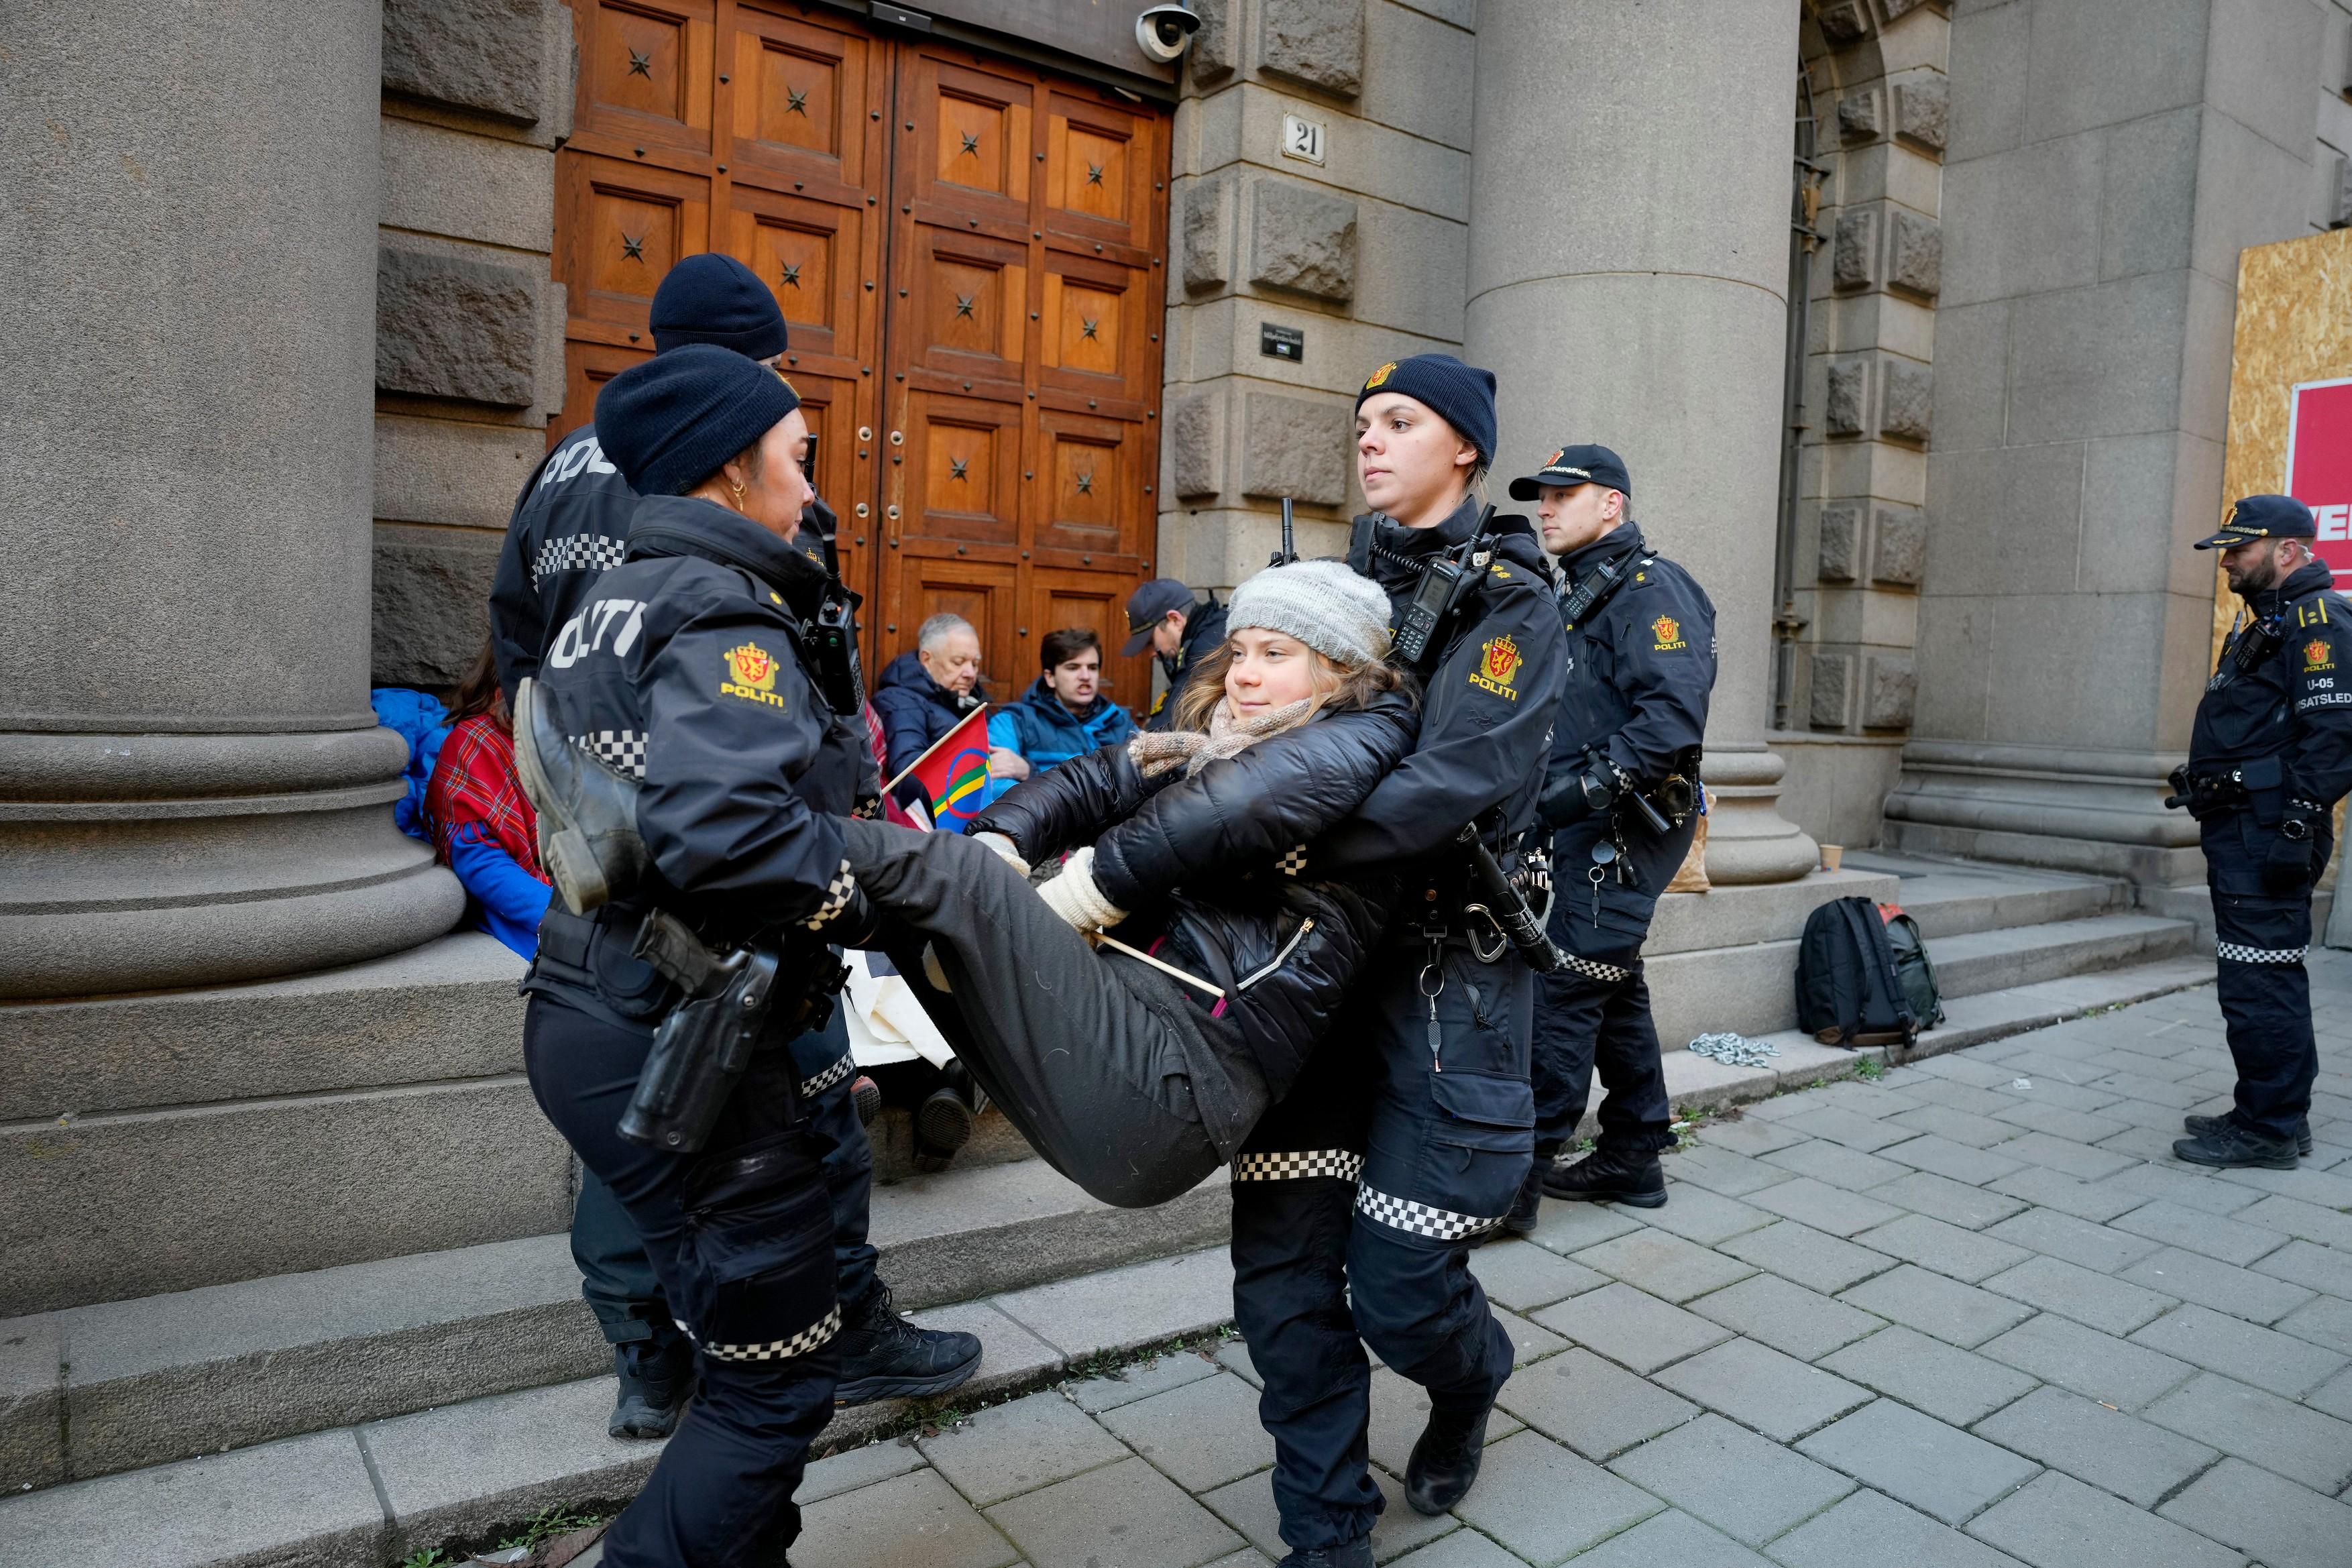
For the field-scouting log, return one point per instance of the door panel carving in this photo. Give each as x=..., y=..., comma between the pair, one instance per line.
x=968, y=253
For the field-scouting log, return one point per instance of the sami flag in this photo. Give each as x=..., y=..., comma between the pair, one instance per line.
x=953, y=772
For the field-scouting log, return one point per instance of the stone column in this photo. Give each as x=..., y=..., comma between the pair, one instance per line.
x=1629, y=257
x=193, y=789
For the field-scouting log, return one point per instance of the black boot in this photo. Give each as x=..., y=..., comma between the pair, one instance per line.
x=587, y=811
x=1611, y=1176
x=944, y=1121
x=1528, y=1204
x=2228, y=1145
x=866, y=1096
x=1445, y=1458
x=1357, y=1554
x=2201, y=1125
x=654, y=1383
x=883, y=1356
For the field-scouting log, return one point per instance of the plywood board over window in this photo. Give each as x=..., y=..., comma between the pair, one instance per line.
x=968, y=252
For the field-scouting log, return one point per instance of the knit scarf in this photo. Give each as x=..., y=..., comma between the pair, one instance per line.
x=1155, y=752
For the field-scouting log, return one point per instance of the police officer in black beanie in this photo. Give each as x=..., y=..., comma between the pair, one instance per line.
x=569, y=528
x=2270, y=755
x=1356, y=1199
x=686, y=671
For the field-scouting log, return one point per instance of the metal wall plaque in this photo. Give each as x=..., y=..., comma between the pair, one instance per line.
x=1282, y=343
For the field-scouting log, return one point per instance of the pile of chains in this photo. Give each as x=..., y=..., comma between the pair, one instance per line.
x=1733, y=1050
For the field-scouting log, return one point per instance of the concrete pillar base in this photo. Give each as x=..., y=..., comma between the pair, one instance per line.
x=1747, y=839
x=140, y=862
x=2069, y=809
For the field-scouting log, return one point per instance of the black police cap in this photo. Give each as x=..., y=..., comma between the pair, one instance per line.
x=2263, y=516
x=1576, y=466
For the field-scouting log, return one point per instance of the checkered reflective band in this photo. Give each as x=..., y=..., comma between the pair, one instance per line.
x=812, y=1087
x=2235, y=952
x=1593, y=969
x=1291, y=1164
x=801, y=1343
x=580, y=553
x=623, y=751
x=836, y=898
x=1293, y=861
x=1419, y=1219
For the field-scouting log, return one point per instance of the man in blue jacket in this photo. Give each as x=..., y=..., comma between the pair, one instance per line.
x=1063, y=715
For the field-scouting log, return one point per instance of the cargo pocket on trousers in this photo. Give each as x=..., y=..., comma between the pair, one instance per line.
x=1479, y=1148
x=759, y=1252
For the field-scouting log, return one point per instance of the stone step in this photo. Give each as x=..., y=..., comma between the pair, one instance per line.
x=367, y=1494
x=115, y=1386
x=1958, y=897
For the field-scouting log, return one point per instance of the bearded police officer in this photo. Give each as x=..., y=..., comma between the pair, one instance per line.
x=1357, y=1197
x=1620, y=797
x=2270, y=756
x=570, y=525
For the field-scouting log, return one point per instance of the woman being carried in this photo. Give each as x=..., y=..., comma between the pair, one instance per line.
x=1191, y=847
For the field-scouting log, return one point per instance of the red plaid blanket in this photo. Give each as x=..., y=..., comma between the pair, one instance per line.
x=475, y=783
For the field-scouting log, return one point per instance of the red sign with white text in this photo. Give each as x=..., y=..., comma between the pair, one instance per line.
x=2319, y=464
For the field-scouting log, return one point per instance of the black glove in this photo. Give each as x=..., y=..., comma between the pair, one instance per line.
x=2286, y=869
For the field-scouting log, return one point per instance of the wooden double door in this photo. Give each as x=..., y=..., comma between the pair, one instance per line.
x=970, y=255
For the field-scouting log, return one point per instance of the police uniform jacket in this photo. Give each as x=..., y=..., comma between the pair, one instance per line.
x=1203, y=633
x=571, y=524
x=1487, y=701
x=2285, y=725
x=684, y=670
x=1640, y=669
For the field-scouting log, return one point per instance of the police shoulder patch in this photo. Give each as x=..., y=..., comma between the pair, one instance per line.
x=1668, y=632
x=751, y=675
x=1499, y=667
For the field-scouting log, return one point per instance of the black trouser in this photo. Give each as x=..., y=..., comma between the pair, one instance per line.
x=1355, y=1202
x=617, y=1277
x=1100, y=1061
x=2259, y=941
x=747, y=1263
x=1596, y=1012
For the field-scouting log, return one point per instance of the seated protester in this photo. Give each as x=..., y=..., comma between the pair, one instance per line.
x=482, y=824
x=1060, y=717
x=1134, y=1083
x=923, y=694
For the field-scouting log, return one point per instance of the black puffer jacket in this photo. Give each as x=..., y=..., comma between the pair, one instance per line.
x=1208, y=863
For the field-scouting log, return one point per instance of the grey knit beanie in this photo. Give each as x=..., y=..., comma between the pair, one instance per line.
x=1322, y=604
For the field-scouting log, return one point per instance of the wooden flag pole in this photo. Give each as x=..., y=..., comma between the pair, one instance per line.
x=1167, y=969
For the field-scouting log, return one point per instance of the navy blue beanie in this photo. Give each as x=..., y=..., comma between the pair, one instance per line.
x=1461, y=395
x=673, y=421
x=715, y=298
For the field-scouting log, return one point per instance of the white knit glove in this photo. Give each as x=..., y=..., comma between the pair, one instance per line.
x=1074, y=895
x=1006, y=850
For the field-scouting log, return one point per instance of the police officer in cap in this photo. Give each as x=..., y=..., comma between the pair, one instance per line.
x=1620, y=795
x=1357, y=1197
x=570, y=526
x=1162, y=614
x=2270, y=756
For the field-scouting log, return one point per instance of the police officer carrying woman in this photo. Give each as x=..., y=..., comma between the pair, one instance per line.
x=688, y=670
x=1358, y=1196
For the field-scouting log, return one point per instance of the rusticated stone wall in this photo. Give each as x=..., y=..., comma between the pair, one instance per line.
x=469, y=328
x=1362, y=254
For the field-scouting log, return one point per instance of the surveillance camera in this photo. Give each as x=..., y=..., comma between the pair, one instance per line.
x=1165, y=31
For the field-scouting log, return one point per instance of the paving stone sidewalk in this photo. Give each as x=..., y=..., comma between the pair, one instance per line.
x=1969, y=1314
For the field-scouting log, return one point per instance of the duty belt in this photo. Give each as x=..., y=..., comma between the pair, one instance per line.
x=2206, y=794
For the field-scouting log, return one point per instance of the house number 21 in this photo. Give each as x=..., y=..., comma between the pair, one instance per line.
x=1302, y=139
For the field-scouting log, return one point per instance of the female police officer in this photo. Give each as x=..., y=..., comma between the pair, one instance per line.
x=686, y=671
x=1411, y=1131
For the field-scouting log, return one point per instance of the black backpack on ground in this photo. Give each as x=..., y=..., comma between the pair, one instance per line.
x=1914, y=973
x=1848, y=993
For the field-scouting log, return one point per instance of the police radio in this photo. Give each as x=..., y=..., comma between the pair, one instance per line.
x=1444, y=582
x=832, y=650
